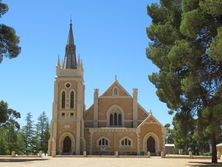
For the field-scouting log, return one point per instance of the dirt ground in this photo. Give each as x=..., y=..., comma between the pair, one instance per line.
x=103, y=162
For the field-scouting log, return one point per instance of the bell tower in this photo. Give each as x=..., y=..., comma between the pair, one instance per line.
x=67, y=134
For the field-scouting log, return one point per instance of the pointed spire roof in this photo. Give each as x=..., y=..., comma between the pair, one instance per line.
x=70, y=40
x=70, y=52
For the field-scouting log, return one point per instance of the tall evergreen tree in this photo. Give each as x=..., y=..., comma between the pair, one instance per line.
x=28, y=132
x=8, y=39
x=186, y=46
x=42, y=132
x=11, y=138
x=21, y=149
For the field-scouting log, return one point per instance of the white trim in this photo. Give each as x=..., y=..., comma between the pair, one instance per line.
x=112, y=129
x=110, y=110
x=156, y=139
x=104, y=120
x=158, y=122
x=155, y=121
x=123, y=138
x=61, y=139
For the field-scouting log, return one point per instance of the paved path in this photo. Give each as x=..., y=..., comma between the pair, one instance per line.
x=104, y=162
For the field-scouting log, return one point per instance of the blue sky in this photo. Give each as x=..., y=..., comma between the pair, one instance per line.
x=110, y=36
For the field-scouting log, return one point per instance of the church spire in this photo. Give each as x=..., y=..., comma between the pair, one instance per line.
x=70, y=52
x=70, y=39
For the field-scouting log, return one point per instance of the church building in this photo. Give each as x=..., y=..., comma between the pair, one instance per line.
x=115, y=122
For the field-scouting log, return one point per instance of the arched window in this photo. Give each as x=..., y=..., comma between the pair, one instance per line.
x=103, y=142
x=115, y=91
x=72, y=100
x=63, y=99
x=111, y=119
x=115, y=119
x=115, y=116
x=119, y=119
x=126, y=142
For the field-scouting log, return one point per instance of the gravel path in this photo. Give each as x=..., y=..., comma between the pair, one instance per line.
x=103, y=162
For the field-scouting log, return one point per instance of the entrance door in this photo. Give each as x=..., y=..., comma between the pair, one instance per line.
x=67, y=145
x=151, y=145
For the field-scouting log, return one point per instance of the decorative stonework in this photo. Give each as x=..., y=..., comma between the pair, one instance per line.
x=114, y=129
x=157, y=142
x=85, y=128
x=61, y=139
x=67, y=126
x=112, y=110
x=126, y=143
x=67, y=85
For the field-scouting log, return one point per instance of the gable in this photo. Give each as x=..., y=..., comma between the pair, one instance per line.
x=149, y=120
x=116, y=90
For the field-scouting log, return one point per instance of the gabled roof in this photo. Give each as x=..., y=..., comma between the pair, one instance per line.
x=150, y=118
x=122, y=90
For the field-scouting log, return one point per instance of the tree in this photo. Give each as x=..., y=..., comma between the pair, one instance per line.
x=42, y=132
x=8, y=116
x=3, y=142
x=186, y=47
x=21, y=149
x=8, y=128
x=11, y=138
x=169, y=137
x=9, y=41
x=183, y=131
x=28, y=133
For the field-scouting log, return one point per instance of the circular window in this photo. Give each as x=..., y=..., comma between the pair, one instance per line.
x=68, y=85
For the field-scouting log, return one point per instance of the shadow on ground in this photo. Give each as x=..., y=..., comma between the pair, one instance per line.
x=20, y=159
x=204, y=164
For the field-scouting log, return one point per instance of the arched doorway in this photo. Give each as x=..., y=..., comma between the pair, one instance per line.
x=151, y=145
x=67, y=145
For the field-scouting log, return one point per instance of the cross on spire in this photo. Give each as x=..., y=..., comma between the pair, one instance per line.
x=115, y=77
x=70, y=19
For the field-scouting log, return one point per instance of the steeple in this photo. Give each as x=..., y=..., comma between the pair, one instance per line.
x=70, y=36
x=70, y=52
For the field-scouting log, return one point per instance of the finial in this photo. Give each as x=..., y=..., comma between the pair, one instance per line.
x=71, y=20
x=58, y=63
x=81, y=62
x=115, y=77
x=151, y=112
x=78, y=58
